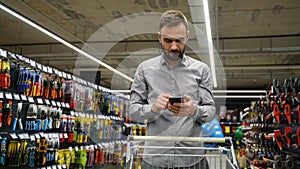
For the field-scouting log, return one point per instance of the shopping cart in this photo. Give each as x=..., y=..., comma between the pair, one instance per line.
x=217, y=158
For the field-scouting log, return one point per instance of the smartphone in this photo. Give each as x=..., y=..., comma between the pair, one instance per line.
x=173, y=100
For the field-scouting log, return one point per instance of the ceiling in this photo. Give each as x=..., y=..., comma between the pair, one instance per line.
x=254, y=42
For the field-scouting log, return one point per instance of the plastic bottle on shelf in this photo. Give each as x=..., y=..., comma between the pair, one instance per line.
x=228, y=116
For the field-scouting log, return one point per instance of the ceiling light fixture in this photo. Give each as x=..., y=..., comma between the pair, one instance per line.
x=238, y=97
x=239, y=91
x=210, y=43
x=52, y=35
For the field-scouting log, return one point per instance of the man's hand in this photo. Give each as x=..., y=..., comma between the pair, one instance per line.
x=188, y=108
x=162, y=102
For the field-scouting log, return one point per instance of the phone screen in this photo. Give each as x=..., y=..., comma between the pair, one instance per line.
x=173, y=100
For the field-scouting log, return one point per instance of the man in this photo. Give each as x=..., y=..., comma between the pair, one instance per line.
x=172, y=74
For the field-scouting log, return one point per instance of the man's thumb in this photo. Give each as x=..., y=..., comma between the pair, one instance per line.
x=187, y=98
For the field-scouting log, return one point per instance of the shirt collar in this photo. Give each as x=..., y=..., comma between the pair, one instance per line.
x=183, y=62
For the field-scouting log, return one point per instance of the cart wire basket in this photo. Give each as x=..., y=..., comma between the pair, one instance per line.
x=222, y=157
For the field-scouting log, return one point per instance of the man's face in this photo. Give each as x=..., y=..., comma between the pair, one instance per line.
x=173, y=41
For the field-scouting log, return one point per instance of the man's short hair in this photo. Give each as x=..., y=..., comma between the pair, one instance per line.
x=173, y=18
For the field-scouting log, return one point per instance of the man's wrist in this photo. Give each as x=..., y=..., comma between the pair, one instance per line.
x=194, y=109
x=153, y=109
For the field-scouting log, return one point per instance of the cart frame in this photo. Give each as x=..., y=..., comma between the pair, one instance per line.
x=132, y=149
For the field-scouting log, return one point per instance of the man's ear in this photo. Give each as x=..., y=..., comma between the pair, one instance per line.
x=187, y=35
x=159, y=37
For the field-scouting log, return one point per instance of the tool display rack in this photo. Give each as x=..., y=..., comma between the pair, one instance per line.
x=272, y=130
x=74, y=124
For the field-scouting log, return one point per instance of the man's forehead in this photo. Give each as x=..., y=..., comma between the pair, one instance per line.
x=173, y=36
x=173, y=32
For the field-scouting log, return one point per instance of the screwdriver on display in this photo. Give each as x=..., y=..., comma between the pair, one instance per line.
x=18, y=118
x=3, y=151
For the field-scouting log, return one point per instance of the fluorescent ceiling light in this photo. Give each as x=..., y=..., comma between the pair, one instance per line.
x=238, y=97
x=210, y=43
x=239, y=91
x=52, y=35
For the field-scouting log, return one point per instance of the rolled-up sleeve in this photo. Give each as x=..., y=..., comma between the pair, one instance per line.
x=139, y=109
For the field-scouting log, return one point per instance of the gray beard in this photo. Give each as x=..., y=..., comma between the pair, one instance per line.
x=172, y=57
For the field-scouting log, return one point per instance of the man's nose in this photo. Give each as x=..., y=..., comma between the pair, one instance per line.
x=174, y=46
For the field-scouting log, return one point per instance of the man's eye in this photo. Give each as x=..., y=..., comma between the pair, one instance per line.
x=168, y=40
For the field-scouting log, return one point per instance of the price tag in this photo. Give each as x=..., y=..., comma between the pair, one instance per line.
x=13, y=136
x=19, y=56
x=45, y=68
x=70, y=148
x=72, y=113
x=53, y=103
x=23, y=97
x=67, y=105
x=54, y=167
x=40, y=101
x=46, y=135
x=21, y=136
x=39, y=66
x=50, y=70
x=32, y=63
x=64, y=75
x=47, y=101
x=26, y=136
x=32, y=138
x=64, y=166
x=48, y=167
x=65, y=135
x=3, y=53
x=58, y=104
x=1, y=95
x=16, y=96
x=27, y=60
x=8, y=96
x=76, y=148
x=12, y=55
x=59, y=167
x=76, y=113
x=30, y=99
x=61, y=135
x=37, y=136
x=63, y=104
x=42, y=134
x=69, y=76
x=55, y=135
x=59, y=73
x=55, y=71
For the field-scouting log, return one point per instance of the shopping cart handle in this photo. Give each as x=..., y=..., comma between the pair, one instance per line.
x=181, y=139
